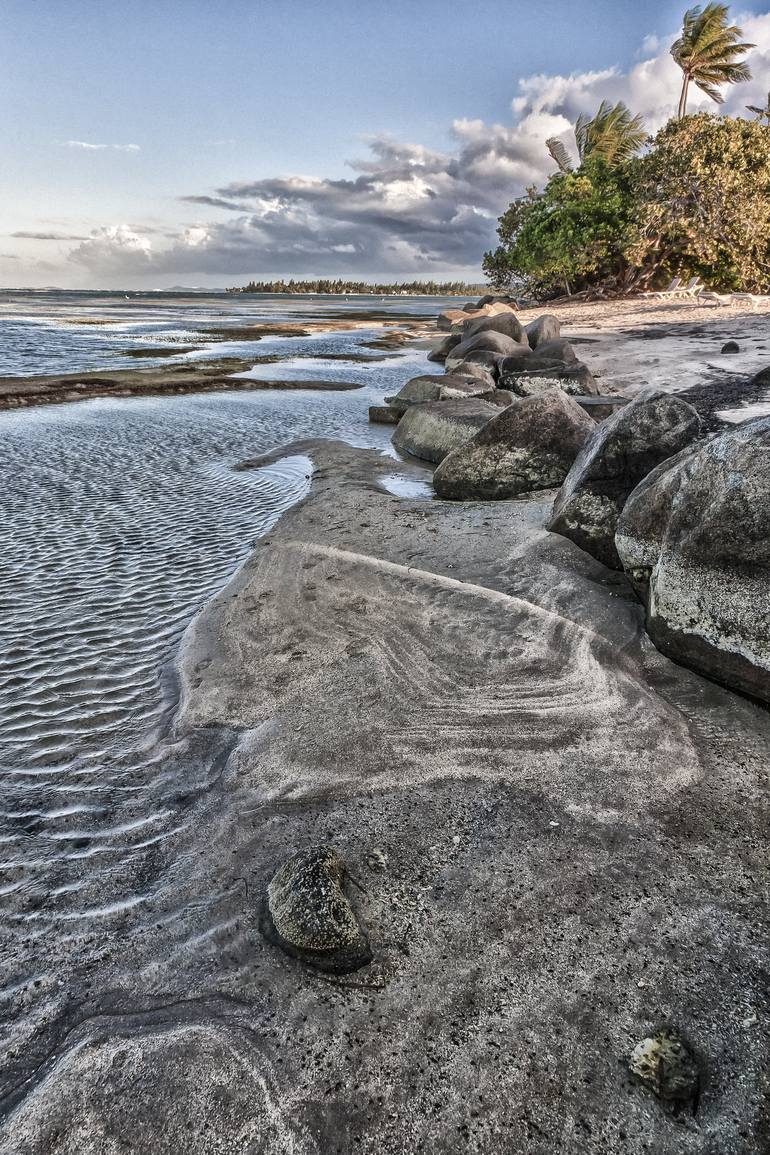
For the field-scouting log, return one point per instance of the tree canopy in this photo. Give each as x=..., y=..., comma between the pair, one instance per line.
x=697, y=201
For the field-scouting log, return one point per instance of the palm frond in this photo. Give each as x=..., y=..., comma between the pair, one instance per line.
x=558, y=151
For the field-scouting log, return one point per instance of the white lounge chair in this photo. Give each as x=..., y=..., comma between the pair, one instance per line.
x=693, y=288
x=661, y=293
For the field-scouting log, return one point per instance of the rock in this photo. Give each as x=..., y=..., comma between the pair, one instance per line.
x=620, y=452
x=600, y=407
x=507, y=323
x=310, y=916
x=530, y=445
x=545, y=328
x=480, y=363
x=577, y=380
x=456, y=388
x=694, y=537
x=438, y=388
x=431, y=431
x=441, y=351
x=559, y=349
x=447, y=319
x=665, y=1065
x=384, y=415
x=492, y=299
x=731, y=347
x=762, y=377
x=470, y=307
x=489, y=342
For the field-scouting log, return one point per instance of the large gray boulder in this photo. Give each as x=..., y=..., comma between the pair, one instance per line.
x=431, y=431
x=476, y=370
x=489, y=342
x=620, y=452
x=478, y=363
x=576, y=379
x=447, y=319
x=309, y=915
x=507, y=323
x=545, y=328
x=559, y=348
x=694, y=537
x=530, y=445
x=439, y=387
x=441, y=351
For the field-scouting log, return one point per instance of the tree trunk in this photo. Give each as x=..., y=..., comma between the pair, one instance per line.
x=683, y=98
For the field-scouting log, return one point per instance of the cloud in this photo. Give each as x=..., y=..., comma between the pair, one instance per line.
x=407, y=209
x=48, y=236
x=87, y=146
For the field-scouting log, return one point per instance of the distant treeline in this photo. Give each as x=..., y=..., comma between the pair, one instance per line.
x=405, y=288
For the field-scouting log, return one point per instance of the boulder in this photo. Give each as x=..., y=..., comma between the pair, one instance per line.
x=456, y=388
x=495, y=299
x=694, y=537
x=473, y=372
x=619, y=453
x=384, y=415
x=530, y=445
x=441, y=351
x=600, y=406
x=576, y=379
x=448, y=318
x=432, y=430
x=438, y=388
x=507, y=323
x=762, y=377
x=545, y=328
x=309, y=915
x=490, y=342
x=559, y=349
x=480, y=363
x=731, y=347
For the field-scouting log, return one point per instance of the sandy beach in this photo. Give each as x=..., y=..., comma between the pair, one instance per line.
x=557, y=838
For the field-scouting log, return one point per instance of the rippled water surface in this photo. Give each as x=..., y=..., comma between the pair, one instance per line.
x=120, y=519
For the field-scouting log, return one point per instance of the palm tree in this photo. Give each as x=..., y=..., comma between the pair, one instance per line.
x=613, y=134
x=762, y=113
x=709, y=52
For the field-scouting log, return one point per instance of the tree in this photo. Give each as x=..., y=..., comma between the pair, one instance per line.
x=762, y=113
x=612, y=134
x=709, y=53
x=571, y=235
x=702, y=203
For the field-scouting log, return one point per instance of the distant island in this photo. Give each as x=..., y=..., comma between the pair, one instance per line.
x=404, y=289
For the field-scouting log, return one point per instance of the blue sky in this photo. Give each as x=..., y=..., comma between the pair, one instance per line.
x=157, y=143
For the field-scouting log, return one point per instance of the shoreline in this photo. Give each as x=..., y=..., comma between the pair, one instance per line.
x=557, y=836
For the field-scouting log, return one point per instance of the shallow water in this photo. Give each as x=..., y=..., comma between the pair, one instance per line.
x=60, y=332
x=121, y=518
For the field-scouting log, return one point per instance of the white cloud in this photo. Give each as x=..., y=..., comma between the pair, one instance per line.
x=87, y=146
x=407, y=208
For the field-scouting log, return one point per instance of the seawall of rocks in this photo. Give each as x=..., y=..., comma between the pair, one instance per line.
x=640, y=488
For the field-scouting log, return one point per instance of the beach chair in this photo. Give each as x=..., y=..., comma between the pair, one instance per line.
x=709, y=297
x=660, y=294
x=693, y=288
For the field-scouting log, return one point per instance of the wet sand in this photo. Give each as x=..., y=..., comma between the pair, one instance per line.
x=560, y=838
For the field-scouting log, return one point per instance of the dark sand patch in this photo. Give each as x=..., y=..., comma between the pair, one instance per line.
x=190, y=377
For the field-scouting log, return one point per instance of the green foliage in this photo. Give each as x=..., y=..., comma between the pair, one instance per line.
x=697, y=202
x=571, y=235
x=613, y=134
x=325, y=285
x=709, y=52
x=703, y=197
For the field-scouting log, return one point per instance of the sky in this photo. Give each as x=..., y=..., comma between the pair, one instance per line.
x=150, y=143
